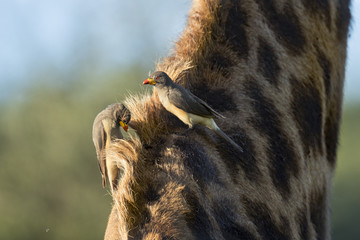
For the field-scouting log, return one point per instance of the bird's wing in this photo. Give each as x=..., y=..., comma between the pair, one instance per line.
x=99, y=140
x=215, y=113
x=188, y=102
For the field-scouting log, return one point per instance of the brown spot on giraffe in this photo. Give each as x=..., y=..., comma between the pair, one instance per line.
x=246, y=161
x=282, y=159
x=235, y=33
x=262, y=217
x=268, y=62
x=307, y=112
x=302, y=219
x=286, y=25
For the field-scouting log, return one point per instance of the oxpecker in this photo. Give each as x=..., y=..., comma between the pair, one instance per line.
x=185, y=105
x=106, y=129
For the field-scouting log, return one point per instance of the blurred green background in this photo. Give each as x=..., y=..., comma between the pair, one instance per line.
x=60, y=64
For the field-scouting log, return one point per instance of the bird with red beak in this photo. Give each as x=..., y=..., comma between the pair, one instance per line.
x=185, y=105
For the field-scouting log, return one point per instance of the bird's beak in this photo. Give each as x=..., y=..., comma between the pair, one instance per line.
x=150, y=81
x=124, y=126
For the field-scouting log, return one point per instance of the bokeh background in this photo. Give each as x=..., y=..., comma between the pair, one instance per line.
x=61, y=62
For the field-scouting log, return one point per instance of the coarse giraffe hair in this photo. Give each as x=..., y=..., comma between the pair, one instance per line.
x=275, y=70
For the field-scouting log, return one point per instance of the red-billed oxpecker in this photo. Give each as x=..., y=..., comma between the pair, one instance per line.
x=185, y=105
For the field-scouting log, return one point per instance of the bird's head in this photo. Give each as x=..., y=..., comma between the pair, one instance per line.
x=121, y=115
x=158, y=78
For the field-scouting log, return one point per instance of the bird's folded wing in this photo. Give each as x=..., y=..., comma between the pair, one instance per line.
x=214, y=113
x=99, y=140
x=188, y=102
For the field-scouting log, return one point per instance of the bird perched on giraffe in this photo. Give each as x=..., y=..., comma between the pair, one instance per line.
x=106, y=129
x=185, y=105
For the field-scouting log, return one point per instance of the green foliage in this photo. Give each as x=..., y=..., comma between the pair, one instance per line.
x=50, y=185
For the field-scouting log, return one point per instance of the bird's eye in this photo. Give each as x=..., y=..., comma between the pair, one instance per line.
x=157, y=77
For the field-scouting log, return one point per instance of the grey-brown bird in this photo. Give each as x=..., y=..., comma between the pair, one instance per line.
x=185, y=105
x=106, y=129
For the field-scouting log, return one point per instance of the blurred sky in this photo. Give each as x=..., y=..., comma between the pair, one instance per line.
x=59, y=36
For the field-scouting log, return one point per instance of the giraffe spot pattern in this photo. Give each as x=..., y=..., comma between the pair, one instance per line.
x=268, y=62
x=307, y=111
x=197, y=219
x=219, y=99
x=303, y=224
x=235, y=33
x=226, y=220
x=286, y=26
x=219, y=62
x=233, y=159
x=280, y=151
x=261, y=216
x=197, y=161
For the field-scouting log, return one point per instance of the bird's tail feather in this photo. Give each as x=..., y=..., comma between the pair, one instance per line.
x=220, y=133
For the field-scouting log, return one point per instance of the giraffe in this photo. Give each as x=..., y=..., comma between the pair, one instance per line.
x=275, y=70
